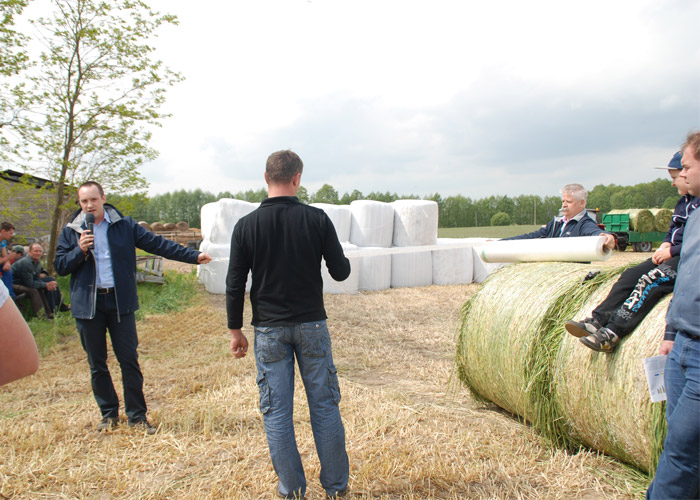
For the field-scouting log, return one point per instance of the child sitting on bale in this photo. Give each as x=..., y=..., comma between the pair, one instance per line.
x=641, y=287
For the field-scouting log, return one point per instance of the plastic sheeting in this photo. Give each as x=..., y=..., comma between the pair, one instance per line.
x=372, y=223
x=413, y=268
x=415, y=223
x=375, y=268
x=577, y=249
x=340, y=216
x=225, y=216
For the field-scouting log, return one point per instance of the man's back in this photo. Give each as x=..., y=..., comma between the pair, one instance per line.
x=282, y=242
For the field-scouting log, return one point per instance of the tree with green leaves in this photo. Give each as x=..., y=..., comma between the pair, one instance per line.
x=89, y=103
x=326, y=194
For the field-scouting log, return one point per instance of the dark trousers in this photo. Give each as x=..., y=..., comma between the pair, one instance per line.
x=122, y=332
x=53, y=297
x=37, y=296
x=637, y=291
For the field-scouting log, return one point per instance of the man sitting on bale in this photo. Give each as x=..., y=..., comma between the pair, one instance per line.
x=640, y=287
x=573, y=221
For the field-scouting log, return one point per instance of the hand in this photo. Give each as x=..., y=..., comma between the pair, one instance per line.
x=609, y=241
x=662, y=254
x=203, y=258
x=239, y=344
x=51, y=286
x=86, y=241
x=666, y=347
x=6, y=266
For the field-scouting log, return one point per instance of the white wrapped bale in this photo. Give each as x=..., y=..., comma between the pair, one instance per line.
x=340, y=216
x=348, y=285
x=482, y=269
x=208, y=216
x=213, y=275
x=375, y=269
x=228, y=212
x=453, y=265
x=412, y=268
x=415, y=223
x=372, y=223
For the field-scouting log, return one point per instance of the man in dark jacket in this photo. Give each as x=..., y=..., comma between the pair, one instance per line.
x=573, y=221
x=640, y=287
x=30, y=278
x=102, y=266
x=283, y=242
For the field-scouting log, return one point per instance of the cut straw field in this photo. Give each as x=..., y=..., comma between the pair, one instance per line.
x=412, y=431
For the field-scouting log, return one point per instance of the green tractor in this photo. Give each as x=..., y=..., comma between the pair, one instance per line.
x=632, y=227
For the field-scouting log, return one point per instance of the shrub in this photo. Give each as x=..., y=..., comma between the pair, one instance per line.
x=500, y=219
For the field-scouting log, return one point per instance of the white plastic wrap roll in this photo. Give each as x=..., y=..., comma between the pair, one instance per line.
x=577, y=249
x=453, y=266
x=412, y=268
x=227, y=213
x=348, y=285
x=213, y=275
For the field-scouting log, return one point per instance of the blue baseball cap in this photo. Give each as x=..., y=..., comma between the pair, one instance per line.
x=675, y=163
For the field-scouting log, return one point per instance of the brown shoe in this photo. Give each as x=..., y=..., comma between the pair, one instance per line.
x=143, y=425
x=108, y=423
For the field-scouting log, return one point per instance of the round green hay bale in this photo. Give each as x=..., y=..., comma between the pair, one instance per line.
x=504, y=347
x=662, y=218
x=604, y=398
x=642, y=221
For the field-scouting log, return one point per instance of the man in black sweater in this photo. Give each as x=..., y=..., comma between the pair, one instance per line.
x=283, y=242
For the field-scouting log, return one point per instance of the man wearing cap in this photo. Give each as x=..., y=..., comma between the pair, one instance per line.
x=678, y=471
x=640, y=287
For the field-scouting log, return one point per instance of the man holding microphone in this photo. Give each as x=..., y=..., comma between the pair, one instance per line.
x=102, y=266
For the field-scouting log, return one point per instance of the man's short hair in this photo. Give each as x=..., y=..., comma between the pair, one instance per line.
x=92, y=183
x=576, y=190
x=693, y=142
x=6, y=226
x=32, y=245
x=282, y=166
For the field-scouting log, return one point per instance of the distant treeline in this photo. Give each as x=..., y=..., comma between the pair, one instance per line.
x=455, y=211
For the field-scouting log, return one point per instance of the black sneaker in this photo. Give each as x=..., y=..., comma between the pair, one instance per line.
x=582, y=328
x=143, y=425
x=108, y=423
x=604, y=340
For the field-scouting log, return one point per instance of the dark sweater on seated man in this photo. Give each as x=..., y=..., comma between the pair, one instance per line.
x=573, y=221
x=29, y=277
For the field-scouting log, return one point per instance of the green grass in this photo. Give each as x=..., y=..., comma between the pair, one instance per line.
x=486, y=231
x=179, y=291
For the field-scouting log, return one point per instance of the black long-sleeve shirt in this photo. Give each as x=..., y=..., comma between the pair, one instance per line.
x=283, y=242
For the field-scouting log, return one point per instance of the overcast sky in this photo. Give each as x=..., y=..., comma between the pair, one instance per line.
x=417, y=97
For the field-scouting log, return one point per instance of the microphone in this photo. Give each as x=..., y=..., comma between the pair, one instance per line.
x=90, y=221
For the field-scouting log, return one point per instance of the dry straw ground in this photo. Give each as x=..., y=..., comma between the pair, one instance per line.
x=411, y=432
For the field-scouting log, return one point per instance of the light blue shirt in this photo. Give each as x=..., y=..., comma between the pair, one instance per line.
x=684, y=312
x=105, y=277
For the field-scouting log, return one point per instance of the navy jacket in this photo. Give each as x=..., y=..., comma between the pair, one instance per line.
x=582, y=227
x=124, y=236
x=685, y=206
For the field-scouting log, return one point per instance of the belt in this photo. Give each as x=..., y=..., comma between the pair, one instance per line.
x=105, y=291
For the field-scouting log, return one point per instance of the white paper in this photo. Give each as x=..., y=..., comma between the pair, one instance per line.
x=654, y=368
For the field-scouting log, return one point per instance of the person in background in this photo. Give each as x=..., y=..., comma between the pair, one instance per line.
x=573, y=221
x=640, y=287
x=283, y=242
x=678, y=471
x=18, y=353
x=7, y=231
x=29, y=277
x=103, y=296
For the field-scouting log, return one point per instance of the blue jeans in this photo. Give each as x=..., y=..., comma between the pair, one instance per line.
x=678, y=473
x=275, y=349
